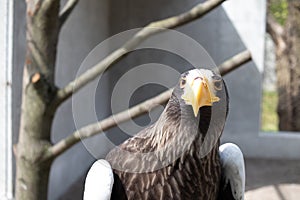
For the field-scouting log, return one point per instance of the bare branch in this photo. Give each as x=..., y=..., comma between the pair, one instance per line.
x=66, y=11
x=277, y=33
x=107, y=123
x=135, y=111
x=153, y=28
x=234, y=62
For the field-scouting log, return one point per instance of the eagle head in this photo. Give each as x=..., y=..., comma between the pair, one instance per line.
x=199, y=88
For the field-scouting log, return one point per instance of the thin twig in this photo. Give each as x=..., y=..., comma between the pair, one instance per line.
x=235, y=62
x=135, y=111
x=66, y=11
x=93, y=129
x=153, y=28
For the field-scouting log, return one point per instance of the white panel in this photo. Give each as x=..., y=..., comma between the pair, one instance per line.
x=249, y=19
x=6, y=7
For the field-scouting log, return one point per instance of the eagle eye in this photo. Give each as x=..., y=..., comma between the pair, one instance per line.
x=217, y=80
x=182, y=82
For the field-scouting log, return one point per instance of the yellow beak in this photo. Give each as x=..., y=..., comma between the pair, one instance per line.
x=197, y=94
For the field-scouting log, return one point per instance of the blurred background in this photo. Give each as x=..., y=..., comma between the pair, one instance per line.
x=264, y=116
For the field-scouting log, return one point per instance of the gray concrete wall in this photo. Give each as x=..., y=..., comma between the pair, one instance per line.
x=17, y=67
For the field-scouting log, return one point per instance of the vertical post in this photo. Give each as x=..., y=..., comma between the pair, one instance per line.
x=6, y=47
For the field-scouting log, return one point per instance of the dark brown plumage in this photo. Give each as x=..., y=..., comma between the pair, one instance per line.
x=167, y=160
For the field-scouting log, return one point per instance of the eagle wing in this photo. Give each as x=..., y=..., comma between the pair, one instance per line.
x=232, y=185
x=99, y=181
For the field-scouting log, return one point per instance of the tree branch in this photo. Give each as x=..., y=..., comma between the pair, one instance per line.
x=153, y=28
x=45, y=5
x=234, y=62
x=66, y=11
x=113, y=120
x=277, y=33
x=135, y=111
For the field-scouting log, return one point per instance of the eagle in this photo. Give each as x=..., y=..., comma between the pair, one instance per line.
x=179, y=156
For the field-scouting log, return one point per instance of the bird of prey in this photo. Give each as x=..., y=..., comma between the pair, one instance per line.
x=178, y=157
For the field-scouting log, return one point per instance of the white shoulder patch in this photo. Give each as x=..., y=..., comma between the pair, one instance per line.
x=99, y=181
x=233, y=167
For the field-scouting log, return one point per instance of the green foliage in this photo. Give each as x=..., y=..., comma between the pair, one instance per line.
x=269, y=114
x=279, y=10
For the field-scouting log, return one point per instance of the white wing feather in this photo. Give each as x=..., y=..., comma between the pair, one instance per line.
x=99, y=181
x=232, y=161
